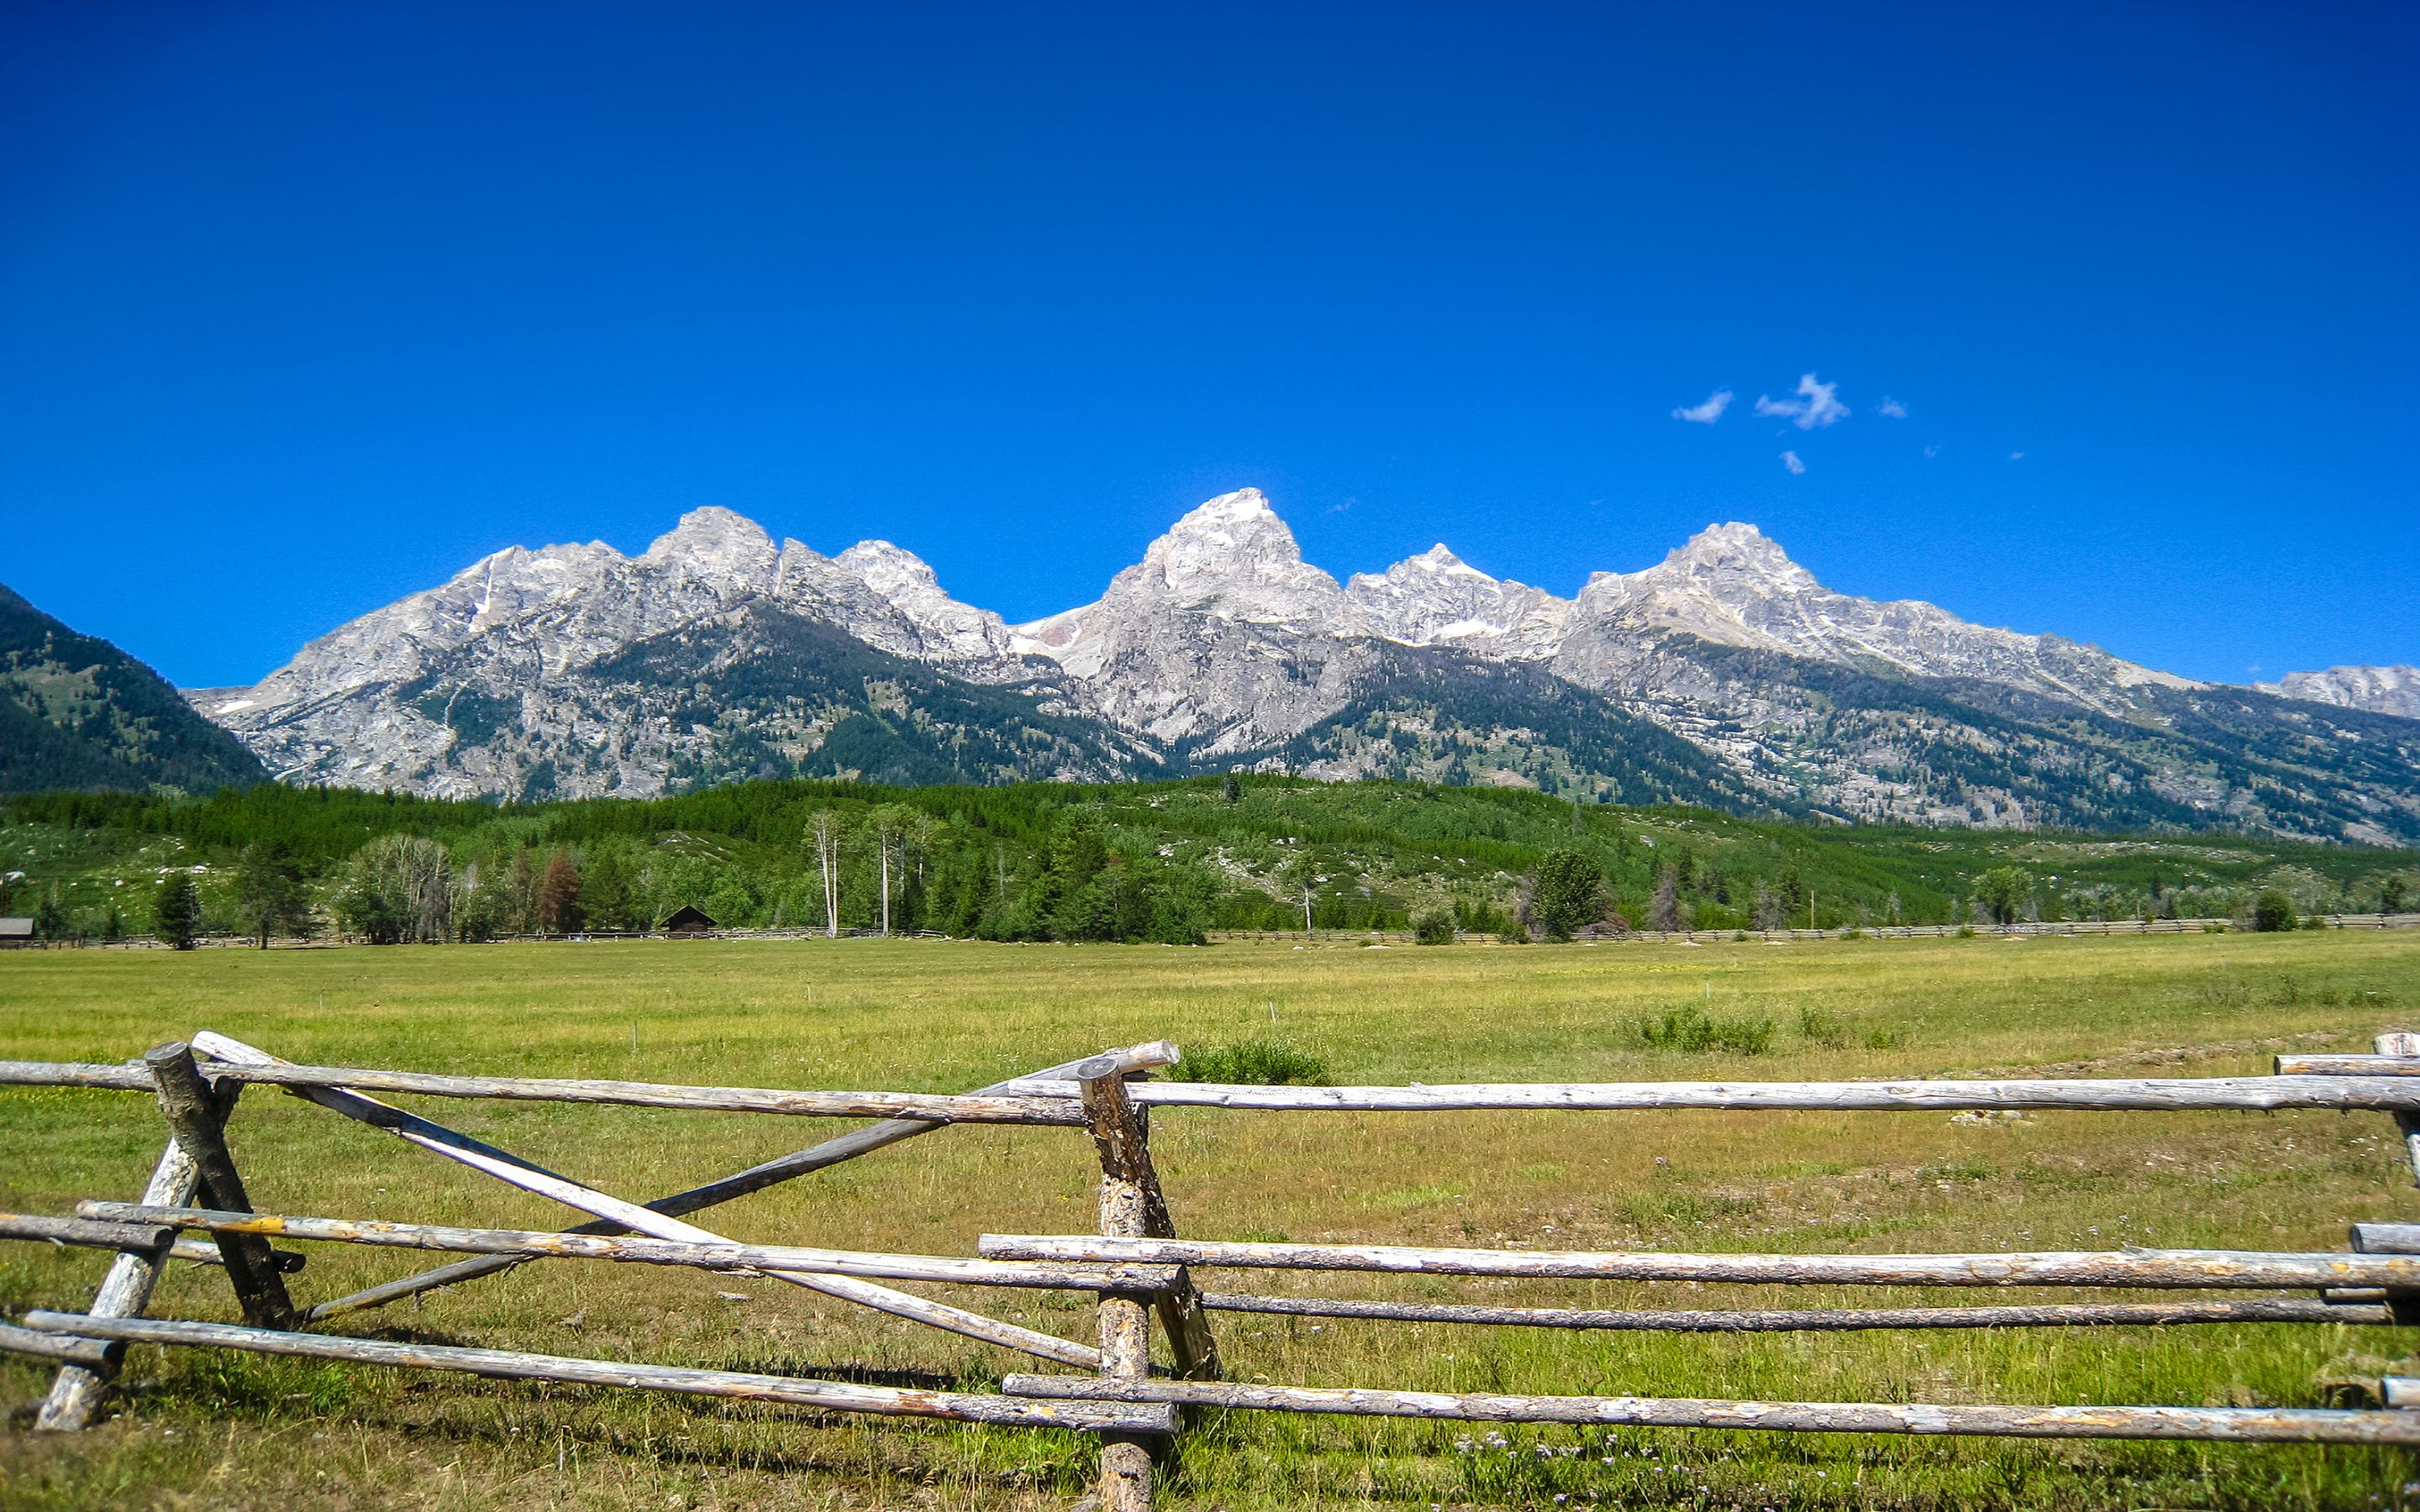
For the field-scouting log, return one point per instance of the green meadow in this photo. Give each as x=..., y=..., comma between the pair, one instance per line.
x=199, y=1429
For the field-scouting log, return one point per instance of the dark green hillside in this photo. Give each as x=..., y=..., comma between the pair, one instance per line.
x=1435, y=715
x=76, y=712
x=890, y=720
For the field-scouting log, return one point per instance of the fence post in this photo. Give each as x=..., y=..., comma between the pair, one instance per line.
x=1129, y=1193
x=196, y=1118
x=124, y=1292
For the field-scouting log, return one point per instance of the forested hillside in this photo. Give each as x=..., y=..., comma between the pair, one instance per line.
x=1145, y=861
x=76, y=712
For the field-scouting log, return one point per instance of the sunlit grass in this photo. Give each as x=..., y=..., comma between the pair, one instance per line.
x=210, y=1430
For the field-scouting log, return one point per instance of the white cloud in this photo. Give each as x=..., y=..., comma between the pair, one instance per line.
x=2016, y=457
x=1891, y=409
x=1814, y=408
x=1790, y=461
x=1707, y=413
x=1933, y=451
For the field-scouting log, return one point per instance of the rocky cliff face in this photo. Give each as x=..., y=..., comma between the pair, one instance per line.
x=2377, y=689
x=1725, y=673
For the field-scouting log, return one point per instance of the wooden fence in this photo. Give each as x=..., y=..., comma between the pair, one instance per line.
x=1138, y=1267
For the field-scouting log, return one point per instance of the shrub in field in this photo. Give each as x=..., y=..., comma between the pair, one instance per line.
x=1690, y=1031
x=1261, y=1062
x=2272, y=911
x=1433, y=927
x=1822, y=1028
x=1567, y=892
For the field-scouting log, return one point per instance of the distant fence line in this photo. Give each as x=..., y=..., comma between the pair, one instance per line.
x=2029, y=929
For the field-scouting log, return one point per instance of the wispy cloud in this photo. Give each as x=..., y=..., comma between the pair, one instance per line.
x=1891, y=409
x=1933, y=451
x=2016, y=457
x=1814, y=408
x=1790, y=461
x=1707, y=413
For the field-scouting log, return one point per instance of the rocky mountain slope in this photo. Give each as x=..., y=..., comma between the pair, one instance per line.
x=2379, y=689
x=76, y=712
x=1725, y=674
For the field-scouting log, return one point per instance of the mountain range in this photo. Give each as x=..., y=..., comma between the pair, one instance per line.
x=1726, y=674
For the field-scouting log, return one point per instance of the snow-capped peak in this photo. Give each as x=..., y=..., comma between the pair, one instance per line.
x=1437, y=598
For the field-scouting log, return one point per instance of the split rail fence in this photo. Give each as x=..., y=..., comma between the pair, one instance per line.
x=196, y=1207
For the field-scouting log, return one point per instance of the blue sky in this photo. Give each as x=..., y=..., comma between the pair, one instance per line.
x=303, y=307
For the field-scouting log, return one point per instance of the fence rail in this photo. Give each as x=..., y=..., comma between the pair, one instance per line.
x=1138, y=1265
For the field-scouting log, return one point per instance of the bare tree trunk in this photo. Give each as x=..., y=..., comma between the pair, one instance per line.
x=886, y=886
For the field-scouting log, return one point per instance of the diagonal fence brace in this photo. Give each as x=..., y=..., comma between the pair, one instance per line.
x=830, y=1152
x=514, y=1171
x=192, y=1110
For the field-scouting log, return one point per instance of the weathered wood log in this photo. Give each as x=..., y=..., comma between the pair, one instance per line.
x=2399, y=1391
x=728, y=1257
x=1122, y=1137
x=1126, y=1326
x=192, y=1110
x=86, y=1232
x=1137, y=1058
x=924, y=1107
x=74, y=1073
x=2404, y=1047
x=507, y=1365
x=1042, y=1100
x=1120, y=1063
x=204, y=1252
x=2239, y=1424
x=2377, y=1065
x=1810, y=1321
x=514, y=1171
x=92, y=1354
x=2209, y=1093
x=2402, y=1303
x=1050, y=1081
x=124, y=1292
x=2228, y=1269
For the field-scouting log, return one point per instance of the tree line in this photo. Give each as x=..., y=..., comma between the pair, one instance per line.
x=1164, y=861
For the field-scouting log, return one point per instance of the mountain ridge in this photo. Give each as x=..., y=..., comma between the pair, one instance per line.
x=1223, y=647
x=77, y=712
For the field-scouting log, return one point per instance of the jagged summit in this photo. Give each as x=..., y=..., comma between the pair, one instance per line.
x=713, y=539
x=1741, y=551
x=1231, y=557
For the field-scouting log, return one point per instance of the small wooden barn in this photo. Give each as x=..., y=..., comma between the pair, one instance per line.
x=689, y=922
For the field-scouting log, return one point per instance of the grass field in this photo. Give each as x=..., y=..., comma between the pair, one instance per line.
x=208, y=1430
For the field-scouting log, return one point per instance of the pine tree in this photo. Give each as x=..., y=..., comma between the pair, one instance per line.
x=176, y=911
x=269, y=890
